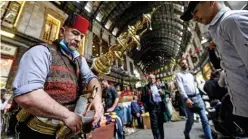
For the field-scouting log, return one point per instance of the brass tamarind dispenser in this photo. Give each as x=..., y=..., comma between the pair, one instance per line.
x=126, y=41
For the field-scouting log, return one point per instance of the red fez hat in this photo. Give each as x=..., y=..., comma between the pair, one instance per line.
x=81, y=24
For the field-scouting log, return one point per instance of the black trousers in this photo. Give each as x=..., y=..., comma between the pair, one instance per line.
x=157, y=121
x=182, y=110
x=27, y=133
x=242, y=122
x=139, y=121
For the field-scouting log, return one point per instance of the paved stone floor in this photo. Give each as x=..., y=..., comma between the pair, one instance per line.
x=173, y=130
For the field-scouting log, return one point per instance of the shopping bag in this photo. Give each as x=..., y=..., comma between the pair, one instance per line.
x=175, y=116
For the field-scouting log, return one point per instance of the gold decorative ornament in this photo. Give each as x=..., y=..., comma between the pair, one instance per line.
x=126, y=41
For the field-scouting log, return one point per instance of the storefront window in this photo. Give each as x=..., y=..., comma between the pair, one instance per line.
x=119, y=64
x=96, y=46
x=200, y=79
x=125, y=63
x=198, y=31
x=5, y=69
x=10, y=11
x=51, y=32
x=207, y=71
x=105, y=47
x=131, y=68
x=195, y=48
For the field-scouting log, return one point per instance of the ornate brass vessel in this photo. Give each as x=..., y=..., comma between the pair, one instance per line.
x=126, y=41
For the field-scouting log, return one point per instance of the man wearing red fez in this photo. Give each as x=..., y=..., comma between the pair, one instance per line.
x=50, y=80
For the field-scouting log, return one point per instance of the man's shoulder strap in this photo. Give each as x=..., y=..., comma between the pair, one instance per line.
x=79, y=61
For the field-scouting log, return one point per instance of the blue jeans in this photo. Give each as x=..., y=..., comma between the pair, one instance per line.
x=204, y=120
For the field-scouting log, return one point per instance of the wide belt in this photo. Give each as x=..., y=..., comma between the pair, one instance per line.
x=190, y=96
x=43, y=127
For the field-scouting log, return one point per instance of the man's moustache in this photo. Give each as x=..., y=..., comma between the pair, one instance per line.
x=74, y=44
x=184, y=67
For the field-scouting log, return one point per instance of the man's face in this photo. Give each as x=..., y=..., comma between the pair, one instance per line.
x=184, y=64
x=72, y=37
x=203, y=12
x=104, y=84
x=152, y=80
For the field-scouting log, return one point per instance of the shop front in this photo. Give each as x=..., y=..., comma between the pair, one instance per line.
x=200, y=80
x=199, y=77
x=206, y=71
x=126, y=85
x=8, y=54
x=111, y=80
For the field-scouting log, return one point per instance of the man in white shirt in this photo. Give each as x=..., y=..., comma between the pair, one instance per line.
x=193, y=100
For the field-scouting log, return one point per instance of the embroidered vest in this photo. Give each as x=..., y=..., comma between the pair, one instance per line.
x=63, y=83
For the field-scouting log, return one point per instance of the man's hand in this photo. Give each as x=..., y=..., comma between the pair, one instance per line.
x=73, y=121
x=110, y=109
x=212, y=45
x=160, y=91
x=189, y=103
x=97, y=102
x=7, y=108
x=150, y=91
x=98, y=111
x=138, y=114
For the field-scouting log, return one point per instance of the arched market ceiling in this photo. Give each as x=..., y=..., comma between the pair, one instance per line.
x=167, y=39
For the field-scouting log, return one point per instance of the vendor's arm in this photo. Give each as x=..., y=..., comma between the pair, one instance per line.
x=91, y=80
x=28, y=88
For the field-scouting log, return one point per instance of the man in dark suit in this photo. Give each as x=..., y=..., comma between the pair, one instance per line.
x=152, y=98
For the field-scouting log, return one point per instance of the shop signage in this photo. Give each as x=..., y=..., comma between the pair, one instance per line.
x=109, y=78
x=8, y=50
x=125, y=82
